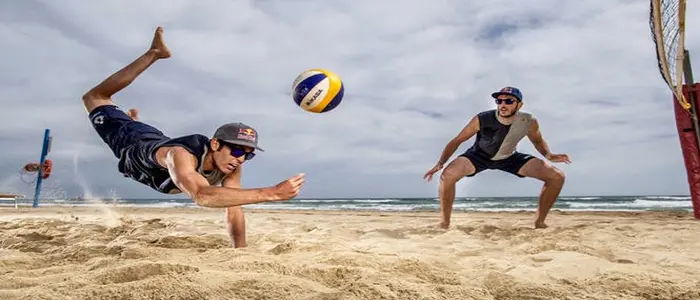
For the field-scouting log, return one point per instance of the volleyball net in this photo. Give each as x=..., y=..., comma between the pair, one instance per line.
x=668, y=32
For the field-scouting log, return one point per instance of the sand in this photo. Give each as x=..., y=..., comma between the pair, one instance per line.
x=179, y=253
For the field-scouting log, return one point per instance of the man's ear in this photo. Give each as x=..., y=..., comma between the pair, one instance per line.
x=520, y=105
x=215, y=145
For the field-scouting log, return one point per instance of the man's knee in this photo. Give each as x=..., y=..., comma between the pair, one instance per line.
x=92, y=101
x=457, y=170
x=542, y=170
x=555, y=176
x=449, y=177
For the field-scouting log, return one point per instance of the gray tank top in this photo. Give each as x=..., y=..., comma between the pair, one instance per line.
x=496, y=140
x=138, y=162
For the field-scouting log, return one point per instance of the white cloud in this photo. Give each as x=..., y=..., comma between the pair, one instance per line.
x=415, y=73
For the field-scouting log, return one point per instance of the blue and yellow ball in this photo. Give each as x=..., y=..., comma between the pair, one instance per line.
x=317, y=90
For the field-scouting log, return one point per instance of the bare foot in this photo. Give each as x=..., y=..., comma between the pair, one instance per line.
x=158, y=46
x=444, y=225
x=133, y=114
x=540, y=225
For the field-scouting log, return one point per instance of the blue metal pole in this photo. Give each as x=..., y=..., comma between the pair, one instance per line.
x=44, y=152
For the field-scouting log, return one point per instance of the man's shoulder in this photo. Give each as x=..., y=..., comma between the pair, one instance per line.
x=194, y=144
x=527, y=116
x=194, y=136
x=488, y=112
x=482, y=115
x=187, y=141
x=526, y=119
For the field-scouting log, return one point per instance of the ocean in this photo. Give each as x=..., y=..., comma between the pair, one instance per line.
x=582, y=203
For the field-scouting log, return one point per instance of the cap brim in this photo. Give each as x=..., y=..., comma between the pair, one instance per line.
x=496, y=94
x=246, y=144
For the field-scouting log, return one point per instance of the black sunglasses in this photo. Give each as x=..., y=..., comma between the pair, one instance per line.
x=507, y=101
x=238, y=151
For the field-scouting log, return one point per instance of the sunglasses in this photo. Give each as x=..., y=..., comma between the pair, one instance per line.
x=238, y=151
x=506, y=101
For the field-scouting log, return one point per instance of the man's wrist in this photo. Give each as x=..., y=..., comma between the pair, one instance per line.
x=271, y=194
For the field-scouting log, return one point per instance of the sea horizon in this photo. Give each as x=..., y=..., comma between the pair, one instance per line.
x=472, y=203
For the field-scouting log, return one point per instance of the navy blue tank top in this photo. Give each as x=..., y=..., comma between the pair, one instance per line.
x=139, y=162
x=496, y=140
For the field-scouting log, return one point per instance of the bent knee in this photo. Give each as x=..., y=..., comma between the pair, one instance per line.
x=457, y=169
x=92, y=101
x=90, y=97
x=557, y=176
x=450, y=176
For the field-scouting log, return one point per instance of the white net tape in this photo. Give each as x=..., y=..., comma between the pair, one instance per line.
x=667, y=24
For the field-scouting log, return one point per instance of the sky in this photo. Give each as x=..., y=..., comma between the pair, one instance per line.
x=414, y=73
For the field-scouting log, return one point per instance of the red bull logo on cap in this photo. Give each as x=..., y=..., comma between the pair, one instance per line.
x=509, y=90
x=247, y=134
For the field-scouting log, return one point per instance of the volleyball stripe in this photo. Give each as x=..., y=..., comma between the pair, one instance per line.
x=304, y=76
x=316, y=95
x=334, y=85
x=302, y=89
x=336, y=100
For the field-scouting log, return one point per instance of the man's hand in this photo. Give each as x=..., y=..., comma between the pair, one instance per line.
x=429, y=175
x=235, y=219
x=289, y=188
x=466, y=133
x=558, y=158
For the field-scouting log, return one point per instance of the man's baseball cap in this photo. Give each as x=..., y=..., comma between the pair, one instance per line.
x=509, y=90
x=238, y=134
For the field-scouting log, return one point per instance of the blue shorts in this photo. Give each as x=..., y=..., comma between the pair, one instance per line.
x=119, y=131
x=512, y=164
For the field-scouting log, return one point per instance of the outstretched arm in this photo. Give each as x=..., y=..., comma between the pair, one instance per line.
x=537, y=140
x=466, y=133
x=540, y=144
x=235, y=220
x=182, y=165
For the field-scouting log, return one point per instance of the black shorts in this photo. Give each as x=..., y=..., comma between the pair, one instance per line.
x=119, y=131
x=512, y=164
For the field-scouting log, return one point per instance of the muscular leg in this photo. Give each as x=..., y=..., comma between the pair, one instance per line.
x=102, y=93
x=455, y=171
x=553, y=179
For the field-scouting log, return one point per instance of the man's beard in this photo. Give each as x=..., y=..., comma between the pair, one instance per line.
x=501, y=113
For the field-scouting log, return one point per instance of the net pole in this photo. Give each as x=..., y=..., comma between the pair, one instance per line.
x=690, y=81
x=687, y=68
x=44, y=151
x=688, y=74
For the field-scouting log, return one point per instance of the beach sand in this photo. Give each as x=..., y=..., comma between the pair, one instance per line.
x=184, y=253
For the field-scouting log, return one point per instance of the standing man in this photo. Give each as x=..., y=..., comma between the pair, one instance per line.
x=206, y=169
x=498, y=132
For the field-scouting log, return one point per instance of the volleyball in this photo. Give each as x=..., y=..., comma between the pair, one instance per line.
x=317, y=90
